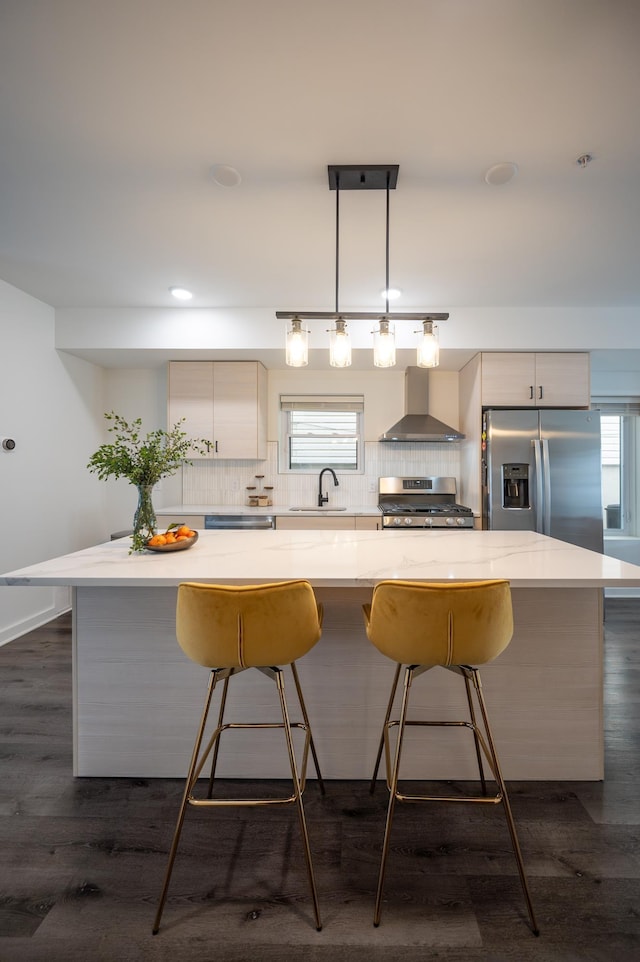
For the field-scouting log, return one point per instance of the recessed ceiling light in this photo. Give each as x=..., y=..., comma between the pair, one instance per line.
x=501, y=173
x=225, y=176
x=181, y=293
x=392, y=294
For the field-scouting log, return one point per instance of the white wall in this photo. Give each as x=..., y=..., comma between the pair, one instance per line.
x=50, y=404
x=177, y=330
x=142, y=393
x=53, y=405
x=135, y=394
x=383, y=392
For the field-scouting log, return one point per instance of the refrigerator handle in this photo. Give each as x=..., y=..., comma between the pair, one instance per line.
x=539, y=515
x=547, y=487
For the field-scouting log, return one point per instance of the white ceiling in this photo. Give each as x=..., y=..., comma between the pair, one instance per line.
x=113, y=113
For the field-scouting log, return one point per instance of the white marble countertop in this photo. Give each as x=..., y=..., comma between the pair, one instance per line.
x=178, y=510
x=339, y=559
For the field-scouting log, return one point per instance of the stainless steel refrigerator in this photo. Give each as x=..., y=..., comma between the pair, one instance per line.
x=542, y=472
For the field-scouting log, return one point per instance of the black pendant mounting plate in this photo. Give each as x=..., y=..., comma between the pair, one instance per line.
x=363, y=177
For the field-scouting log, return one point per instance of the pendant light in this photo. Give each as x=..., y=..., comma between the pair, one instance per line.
x=428, y=347
x=363, y=177
x=384, y=344
x=297, y=344
x=339, y=345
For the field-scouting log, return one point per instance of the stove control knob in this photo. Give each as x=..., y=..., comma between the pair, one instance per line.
x=451, y=521
x=407, y=521
x=397, y=520
x=460, y=522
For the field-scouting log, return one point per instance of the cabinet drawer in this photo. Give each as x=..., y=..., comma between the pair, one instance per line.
x=310, y=523
x=193, y=520
x=366, y=523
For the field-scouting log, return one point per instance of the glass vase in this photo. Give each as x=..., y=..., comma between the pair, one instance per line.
x=144, y=520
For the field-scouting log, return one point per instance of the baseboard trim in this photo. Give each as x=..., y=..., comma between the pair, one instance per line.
x=30, y=624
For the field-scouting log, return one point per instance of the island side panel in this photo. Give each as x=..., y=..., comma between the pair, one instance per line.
x=138, y=698
x=544, y=693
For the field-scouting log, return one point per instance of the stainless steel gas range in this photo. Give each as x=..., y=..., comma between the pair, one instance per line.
x=421, y=503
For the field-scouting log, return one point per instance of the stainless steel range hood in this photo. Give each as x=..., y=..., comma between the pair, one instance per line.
x=417, y=424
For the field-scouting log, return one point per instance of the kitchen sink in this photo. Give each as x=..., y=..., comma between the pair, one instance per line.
x=326, y=507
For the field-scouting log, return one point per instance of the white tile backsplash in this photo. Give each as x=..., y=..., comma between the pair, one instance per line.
x=225, y=482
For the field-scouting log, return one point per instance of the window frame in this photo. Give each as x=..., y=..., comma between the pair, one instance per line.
x=288, y=404
x=628, y=410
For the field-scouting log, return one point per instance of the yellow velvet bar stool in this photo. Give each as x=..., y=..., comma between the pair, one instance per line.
x=453, y=626
x=229, y=629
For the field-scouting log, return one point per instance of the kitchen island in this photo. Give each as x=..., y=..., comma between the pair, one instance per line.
x=137, y=698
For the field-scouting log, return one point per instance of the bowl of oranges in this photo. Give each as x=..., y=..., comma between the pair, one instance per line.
x=177, y=537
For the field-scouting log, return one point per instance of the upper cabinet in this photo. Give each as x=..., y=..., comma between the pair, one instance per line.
x=224, y=402
x=535, y=380
x=512, y=380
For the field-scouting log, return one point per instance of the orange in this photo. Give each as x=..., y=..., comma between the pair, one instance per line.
x=170, y=538
x=157, y=540
x=184, y=530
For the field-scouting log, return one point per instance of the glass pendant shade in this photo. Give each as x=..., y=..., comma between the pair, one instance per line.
x=297, y=353
x=340, y=345
x=428, y=347
x=384, y=345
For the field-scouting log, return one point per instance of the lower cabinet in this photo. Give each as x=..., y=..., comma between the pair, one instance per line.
x=195, y=521
x=347, y=522
x=367, y=523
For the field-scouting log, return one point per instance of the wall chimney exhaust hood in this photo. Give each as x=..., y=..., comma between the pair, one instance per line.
x=417, y=424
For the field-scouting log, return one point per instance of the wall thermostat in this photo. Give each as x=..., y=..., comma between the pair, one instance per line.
x=8, y=444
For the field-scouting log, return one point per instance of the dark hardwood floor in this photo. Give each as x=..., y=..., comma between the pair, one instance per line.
x=82, y=859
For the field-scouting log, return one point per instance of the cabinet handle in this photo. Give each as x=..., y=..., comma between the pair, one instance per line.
x=540, y=395
x=216, y=444
x=531, y=392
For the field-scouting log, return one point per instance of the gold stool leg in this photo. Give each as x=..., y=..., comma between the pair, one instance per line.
x=303, y=709
x=372, y=785
x=185, y=799
x=279, y=679
x=393, y=786
x=214, y=759
x=505, y=799
x=474, y=727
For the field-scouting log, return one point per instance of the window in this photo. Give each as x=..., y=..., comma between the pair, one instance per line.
x=321, y=432
x=611, y=440
x=620, y=436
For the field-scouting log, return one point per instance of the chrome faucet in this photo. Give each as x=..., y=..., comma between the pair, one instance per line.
x=323, y=498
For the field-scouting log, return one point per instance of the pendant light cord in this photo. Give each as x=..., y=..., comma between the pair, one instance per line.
x=337, y=238
x=386, y=289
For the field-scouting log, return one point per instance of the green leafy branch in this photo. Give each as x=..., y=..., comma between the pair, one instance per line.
x=143, y=459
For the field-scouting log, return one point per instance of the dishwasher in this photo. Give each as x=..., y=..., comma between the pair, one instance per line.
x=238, y=522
